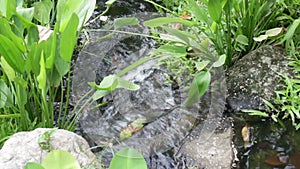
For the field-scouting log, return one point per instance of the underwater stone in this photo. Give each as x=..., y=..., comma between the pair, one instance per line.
x=255, y=77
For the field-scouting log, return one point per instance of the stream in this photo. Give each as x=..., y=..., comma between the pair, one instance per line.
x=171, y=130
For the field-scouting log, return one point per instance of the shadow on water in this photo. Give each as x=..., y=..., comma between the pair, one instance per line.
x=270, y=147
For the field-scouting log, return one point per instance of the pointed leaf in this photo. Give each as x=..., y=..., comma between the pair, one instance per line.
x=165, y=20
x=274, y=32
x=42, y=11
x=60, y=159
x=215, y=9
x=242, y=39
x=41, y=78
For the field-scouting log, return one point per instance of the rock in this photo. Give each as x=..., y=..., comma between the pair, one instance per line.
x=215, y=152
x=23, y=147
x=255, y=77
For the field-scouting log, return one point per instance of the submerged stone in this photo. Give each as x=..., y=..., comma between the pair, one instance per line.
x=256, y=77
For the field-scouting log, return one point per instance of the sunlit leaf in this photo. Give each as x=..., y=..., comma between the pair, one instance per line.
x=60, y=159
x=256, y=113
x=41, y=78
x=199, y=12
x=198, y=87
x=260, y=38
x=32, y=165
x=274, y=32
x=128, y=158
x=6, y=99
x=42, y=11
x=69, y=36
x=7, y=8
x=166, y=20
x=27, y=13
x=121, y=22
x=215, y=9
x=220, y=61
x=291, y=30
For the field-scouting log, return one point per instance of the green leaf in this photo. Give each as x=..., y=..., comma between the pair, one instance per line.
x=215, y=9
x=42, y=11
x=50, y=51
x=199, y=12
x=165, y=20
x=60, y=159
x=27, y=13
x=179, y=34
x=41, y=78
x=274, y=32
x=198, y=87
x=256, y=113
x=173, y=49
x=125, y=84
x=110, y=2
x=99, y=94
x=68, y=36
x=82, y=8
x=260, y=38
x=291, y=30
x=242, y=39
x=32, y=165
x=12, y=54
x=121, y=22
x=109, y=83
x=6, y=99
x=62, y=66
x=220, y=61
x=128, y=158
x=8, y=70
x=7, y=8
x=5, y=29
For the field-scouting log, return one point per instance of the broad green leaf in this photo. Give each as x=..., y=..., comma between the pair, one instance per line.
x=128, y=158
x=12, y=54
x=60, y=159
x=274, y=32
x=41, y=78
x=198, y=87
x=6, y=30
x=42, y=11
x=121, y=22
x=32, y=36
x=165, y=20
x=50, y=51
x=69, y=36
x=34, y=57
x=256, y=113
x=7, y=8
x=62, y=66
x=215, y=9
x=242, y=39
x=32, y=165
x=8, y=70
x=27, y=13
x=82, y=8
x=6, y=99
x=199, y=12
x=291, y=30
x=220, y=61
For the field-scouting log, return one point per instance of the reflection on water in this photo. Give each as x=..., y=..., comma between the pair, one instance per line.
x=271, y=147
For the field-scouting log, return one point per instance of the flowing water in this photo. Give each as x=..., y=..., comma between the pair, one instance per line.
x=169, y=125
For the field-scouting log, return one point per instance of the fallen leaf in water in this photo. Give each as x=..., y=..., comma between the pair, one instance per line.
x=132, y=128
x=246, y=135
x=295, y=159
x=274, y=161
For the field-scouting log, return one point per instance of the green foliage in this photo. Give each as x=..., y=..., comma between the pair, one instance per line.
x=128, y=158
x=58, y=159
x=31, y=71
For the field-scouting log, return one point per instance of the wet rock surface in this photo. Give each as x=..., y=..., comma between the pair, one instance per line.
x=255, y=77
x=23, y=147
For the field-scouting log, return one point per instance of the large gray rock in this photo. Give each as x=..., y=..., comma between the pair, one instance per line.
x=255, y=77
x=23, y=147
